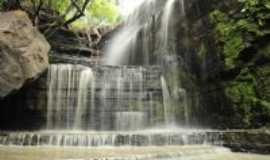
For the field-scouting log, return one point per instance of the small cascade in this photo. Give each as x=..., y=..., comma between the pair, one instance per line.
x=101, y=139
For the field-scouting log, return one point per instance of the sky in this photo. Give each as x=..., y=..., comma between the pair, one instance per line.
x=127, y=6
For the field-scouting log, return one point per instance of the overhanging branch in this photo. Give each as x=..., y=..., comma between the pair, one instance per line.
x=79, y=11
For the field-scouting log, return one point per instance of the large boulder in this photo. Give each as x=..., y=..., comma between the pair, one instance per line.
x=23, y=51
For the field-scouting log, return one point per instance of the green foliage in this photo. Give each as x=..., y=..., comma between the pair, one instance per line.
x=232, y=48
x=228, y=36
x=265, y=51
x=202, y=51
x=58, y=5
x=100, y=12
x=61, y=6
x=249, y=109
x=97, y=11
x=235, y=33
x=104, y=10
x=1, y=4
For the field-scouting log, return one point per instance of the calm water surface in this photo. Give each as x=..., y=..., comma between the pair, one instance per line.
x=202, y=152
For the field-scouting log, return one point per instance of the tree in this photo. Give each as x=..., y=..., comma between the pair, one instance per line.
x=51, y=14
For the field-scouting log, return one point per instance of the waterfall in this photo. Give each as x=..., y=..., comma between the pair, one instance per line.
x=61, y=84
x=101, y=97
x=168, y=116
x=183, y=7
x=130, y=120
x=117, y=90
x=121, y=105
x=176, y=96
x=86, y=77
x=124, y=43
x=141, y=40
x=136, y=42
x=68, y=95
x=93, y=103
x=51, y=77
x=185, y=105
x=105, y=94
x=165, y=22
x=119, y=109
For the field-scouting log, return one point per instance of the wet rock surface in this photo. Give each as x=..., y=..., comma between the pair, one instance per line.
x=254, y=141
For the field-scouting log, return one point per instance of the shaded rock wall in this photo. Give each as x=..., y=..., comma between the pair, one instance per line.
x=199, y=62
x=202, y=63
x=228, y=98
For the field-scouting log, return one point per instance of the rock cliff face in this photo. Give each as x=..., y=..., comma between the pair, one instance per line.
x=23, y=51
x=230, y=62
x=203, y=64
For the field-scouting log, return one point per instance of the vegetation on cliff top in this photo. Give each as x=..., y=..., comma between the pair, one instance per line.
x=243, y=37
x=78, y=13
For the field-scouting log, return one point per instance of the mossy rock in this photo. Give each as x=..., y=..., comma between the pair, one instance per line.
x=263, y=79
x=265, y=51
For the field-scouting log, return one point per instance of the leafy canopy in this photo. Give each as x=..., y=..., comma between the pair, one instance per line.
x=238, y=34
x=99, y=12
x=235, y=33
x=95, y=12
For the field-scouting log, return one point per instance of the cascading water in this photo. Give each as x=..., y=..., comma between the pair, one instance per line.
x=116, y=105
x=139, y=45
x=116, y=98
x=152, y=137
x=129, y=120
x=102, y=98
x=165, y=22
x=183, y=9
x=168, y=109
x=117, y=54
x=86, y=77
x=61, y=84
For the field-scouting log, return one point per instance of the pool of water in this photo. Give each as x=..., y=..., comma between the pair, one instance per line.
x=195, y=152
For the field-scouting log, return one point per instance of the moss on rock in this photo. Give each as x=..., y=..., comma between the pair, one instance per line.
x=241, y=36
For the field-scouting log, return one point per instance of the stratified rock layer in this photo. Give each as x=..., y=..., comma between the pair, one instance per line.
x=23, y=51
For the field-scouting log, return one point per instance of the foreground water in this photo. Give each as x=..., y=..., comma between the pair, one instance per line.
x=195, y=152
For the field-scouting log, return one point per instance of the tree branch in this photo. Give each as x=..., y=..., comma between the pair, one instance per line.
x=79, y=13
x=36, y=10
